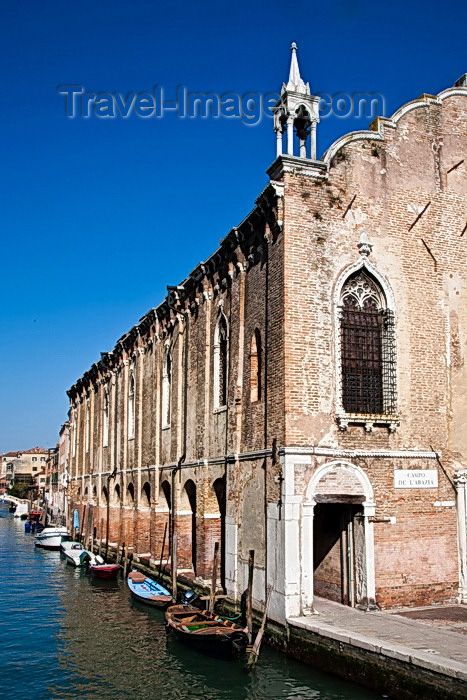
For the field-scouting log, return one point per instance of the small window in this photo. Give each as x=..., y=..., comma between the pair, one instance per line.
x=34, y=459
x=42, y=459
x=34, y=469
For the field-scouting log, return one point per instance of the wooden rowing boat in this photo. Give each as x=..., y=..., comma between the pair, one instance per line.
x=148, y=591
x=206, y=632
x=105, y=571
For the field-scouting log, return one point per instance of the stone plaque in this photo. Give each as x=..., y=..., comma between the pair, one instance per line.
x=415, y=479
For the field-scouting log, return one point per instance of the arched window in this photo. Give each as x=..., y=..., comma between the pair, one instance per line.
x=166, y=388
x=87, y=429
x=131, y=407
x=221, y=361
x=105, y=419
x=146, y=494
x=367, y=348
x=130, y=492
x=255, y=367
x=74, y=427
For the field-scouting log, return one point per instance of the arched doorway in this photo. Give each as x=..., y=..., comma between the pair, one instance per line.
x=220, y=491
x=338, y=531
x=187, y=505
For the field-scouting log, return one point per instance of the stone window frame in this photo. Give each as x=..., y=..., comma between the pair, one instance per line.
x=256, y=379
x=221, y=368
x=131, y=404
x=166, y=387
x=87, y=426
x=105, y=416
x=369, y=421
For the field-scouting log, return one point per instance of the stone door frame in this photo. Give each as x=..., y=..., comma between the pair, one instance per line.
x=366, y=595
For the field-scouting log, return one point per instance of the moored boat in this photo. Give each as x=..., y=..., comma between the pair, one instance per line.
x=51, y=537
x=81, y=557
x=206, y=632
x=70, y=544
x=148, y=591
x=105, y=571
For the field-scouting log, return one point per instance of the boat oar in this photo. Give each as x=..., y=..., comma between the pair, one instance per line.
x=253, y=658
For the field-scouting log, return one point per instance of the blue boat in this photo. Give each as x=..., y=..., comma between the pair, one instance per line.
x=148, y=591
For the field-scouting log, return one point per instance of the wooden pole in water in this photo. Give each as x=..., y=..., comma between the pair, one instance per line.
x=174, y=565
x=125, y=561
x=249, y=599
x=163, y=547
x=253, y=658
x=102, y=534
x=91, y=532
x=81, y=530
x=212, y=594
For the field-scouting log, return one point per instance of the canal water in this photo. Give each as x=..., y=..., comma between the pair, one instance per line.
x=64, y=635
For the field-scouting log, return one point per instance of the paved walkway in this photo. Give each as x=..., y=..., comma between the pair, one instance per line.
x=435, y=647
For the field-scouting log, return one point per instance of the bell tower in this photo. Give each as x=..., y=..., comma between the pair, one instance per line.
x=296, y=114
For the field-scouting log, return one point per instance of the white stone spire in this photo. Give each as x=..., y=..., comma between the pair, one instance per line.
x=296, y=114
x=295, y=83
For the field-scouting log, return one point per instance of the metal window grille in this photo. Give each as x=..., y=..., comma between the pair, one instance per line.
x=368, y=358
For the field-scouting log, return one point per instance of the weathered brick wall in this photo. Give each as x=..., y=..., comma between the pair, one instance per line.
x=416, y=559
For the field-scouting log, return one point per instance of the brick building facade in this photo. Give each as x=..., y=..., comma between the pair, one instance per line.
x=302, y=392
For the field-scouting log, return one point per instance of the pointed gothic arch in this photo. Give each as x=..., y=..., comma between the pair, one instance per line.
x=221, y=361
x=365, y=347
x=255, y=367
x=166, y=391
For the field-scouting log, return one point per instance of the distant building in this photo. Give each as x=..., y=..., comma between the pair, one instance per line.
x=22, y=466
x=302, y=392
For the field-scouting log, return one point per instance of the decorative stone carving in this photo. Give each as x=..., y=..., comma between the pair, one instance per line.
x=364, y=246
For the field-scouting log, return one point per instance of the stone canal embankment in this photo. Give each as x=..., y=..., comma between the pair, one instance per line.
x=400, y=657
x=403, y=658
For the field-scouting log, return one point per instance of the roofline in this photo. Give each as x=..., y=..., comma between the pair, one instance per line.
x=376, y=129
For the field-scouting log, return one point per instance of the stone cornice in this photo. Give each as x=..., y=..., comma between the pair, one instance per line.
x=348, y=454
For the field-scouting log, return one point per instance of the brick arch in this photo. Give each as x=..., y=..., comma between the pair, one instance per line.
x=339, y=478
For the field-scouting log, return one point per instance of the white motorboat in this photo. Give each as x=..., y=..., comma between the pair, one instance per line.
x=51, y=537
x=81, y=557
x=70, y=544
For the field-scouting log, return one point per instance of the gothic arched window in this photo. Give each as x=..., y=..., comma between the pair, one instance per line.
x=255, y=367
x=166, y=388
x=367, y=348
x=105, y=419
x=131, y=407
x=221, y=350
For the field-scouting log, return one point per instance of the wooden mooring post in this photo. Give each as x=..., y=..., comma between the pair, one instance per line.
x=101, y=537
x=212, y=594
x=254, y=654
x=125, y=560
x=162, y=550
x=249, y=598
x=174, y=566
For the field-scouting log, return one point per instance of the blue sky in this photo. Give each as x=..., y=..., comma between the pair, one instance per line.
x=99, y=215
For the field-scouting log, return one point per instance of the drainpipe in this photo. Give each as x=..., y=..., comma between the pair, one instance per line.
x=181, y=460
